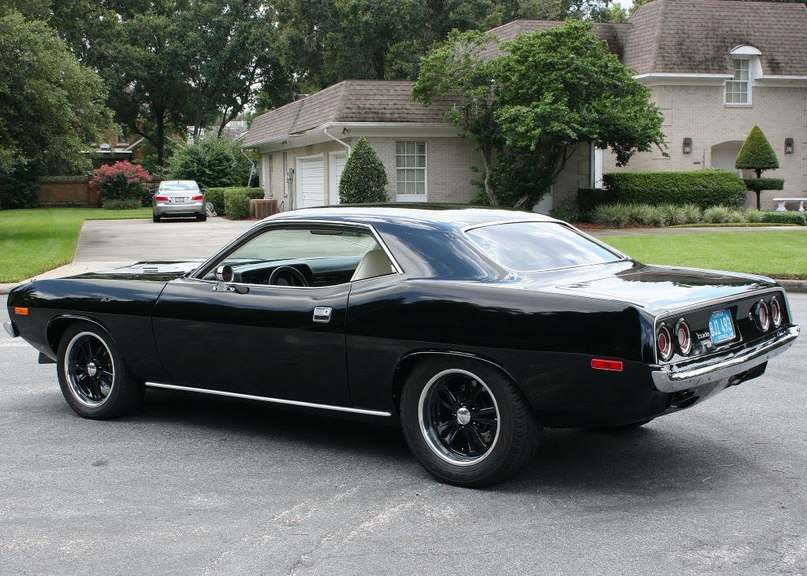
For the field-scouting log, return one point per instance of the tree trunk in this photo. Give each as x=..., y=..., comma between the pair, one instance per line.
x=159, y=117
x=487, y=155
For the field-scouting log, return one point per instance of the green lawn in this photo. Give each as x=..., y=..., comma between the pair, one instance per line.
x=779, y=254
x=36, y=240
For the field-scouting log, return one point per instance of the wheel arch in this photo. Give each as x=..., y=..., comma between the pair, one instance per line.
x=409, y=361
x=59, y=325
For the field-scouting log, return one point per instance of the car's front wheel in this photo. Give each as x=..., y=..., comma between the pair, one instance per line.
x=466, y=422
x=93, y=378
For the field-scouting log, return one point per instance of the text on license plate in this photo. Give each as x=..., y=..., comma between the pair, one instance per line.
x=721, y=326
x=178, y=200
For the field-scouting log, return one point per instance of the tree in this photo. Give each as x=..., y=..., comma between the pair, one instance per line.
x=457, y=68
x=363, y=178
x=51, y=104
x=212, y=162
x=528, y=109
x=757, y=154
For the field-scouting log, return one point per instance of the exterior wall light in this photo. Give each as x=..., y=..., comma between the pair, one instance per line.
x=687, y=145
x=789, y=146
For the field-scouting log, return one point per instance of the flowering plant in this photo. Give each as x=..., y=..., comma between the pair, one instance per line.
x=120, y=181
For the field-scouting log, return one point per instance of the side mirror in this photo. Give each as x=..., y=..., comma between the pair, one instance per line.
x=225, y=274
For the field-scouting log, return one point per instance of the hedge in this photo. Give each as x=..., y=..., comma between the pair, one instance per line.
x=236, y=205
x=588, y=199
x=703, y=188
x=216, y=196
x=797, y=218
x=759, y=184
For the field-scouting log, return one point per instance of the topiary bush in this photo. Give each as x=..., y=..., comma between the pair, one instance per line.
x=121, y=181
x=757, y=154
x=363, y=179
x=212, y=162
x=702, y=188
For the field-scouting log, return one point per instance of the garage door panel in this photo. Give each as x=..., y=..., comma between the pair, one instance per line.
x=310, y=182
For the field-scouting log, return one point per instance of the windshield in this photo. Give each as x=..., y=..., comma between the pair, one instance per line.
x=528, y=246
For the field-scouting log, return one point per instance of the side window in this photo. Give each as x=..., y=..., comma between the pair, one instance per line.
x=305, y=256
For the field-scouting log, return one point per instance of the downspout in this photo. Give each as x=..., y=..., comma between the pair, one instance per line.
x=337, y=140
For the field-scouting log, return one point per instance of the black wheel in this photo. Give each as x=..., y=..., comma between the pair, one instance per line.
x=201, y=217
x=92, y=376
x=155, y=218
x=466, y=423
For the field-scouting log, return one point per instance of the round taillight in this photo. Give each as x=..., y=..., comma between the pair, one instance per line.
x=683, y=337
x=776, y=312
x=762, y=316
x=664, y=343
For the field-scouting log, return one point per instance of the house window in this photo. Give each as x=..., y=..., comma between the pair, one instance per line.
x=738, y=89
x=410, y=164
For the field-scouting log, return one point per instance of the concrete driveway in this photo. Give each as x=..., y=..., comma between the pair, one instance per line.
x=110, y=243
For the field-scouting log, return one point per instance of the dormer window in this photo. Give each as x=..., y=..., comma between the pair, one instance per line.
x=745, y=61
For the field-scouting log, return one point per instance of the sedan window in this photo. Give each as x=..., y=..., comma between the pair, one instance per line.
x=323, y=256
x=530, y=246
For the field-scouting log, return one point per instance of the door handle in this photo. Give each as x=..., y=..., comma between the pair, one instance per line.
x=322, y=314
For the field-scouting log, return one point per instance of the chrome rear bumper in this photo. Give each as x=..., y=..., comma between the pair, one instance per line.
x=668, y=379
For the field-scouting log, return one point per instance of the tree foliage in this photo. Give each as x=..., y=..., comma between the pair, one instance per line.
x=363, y=179
x=212, y=162
x=120, y=181
x=527, y=109
x=757, y=154
x=51, y=105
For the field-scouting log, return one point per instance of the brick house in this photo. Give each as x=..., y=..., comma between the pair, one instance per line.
x=715, y=68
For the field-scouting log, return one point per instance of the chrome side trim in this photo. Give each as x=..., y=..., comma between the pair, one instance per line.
x=283, y=401
x=669, y=380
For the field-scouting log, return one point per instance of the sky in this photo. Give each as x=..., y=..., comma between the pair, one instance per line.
x=624, y=3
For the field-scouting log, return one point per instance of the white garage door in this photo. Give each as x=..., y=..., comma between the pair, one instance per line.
x=310, y=182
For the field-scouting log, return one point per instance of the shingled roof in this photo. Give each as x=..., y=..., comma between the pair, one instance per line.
x=696, y=36
x=348, y=101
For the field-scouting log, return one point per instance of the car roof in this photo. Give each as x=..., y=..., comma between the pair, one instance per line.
x=446, y=216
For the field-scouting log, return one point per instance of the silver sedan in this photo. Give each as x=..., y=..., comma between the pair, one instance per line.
x=179, y=198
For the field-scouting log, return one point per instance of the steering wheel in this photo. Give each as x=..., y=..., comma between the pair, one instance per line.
x=287, y=276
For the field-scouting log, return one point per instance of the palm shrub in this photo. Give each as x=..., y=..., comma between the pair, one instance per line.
x=121, y=181
x=757, y=154
x=363, y=179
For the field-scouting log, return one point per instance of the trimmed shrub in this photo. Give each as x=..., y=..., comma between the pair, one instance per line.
x=702, y=188
x=589, y=198
x=797, y=218
x=113, y=204
x=363, y=179
x=216, y=196
x=213, y=162
x=236, y=205
x=759, y=184
x=757, y=154
x=121, y=181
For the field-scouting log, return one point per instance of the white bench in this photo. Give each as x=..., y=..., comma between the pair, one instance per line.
x=780, y=203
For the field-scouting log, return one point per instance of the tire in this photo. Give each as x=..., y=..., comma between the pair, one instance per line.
x=93, y=378
x=201, y=217
x=155, y=218
x=466, y=423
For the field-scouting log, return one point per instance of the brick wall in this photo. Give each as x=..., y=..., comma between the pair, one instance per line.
x=718, y=130
x=74, y=193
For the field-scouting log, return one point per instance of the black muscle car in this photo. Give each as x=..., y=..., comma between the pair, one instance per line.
x=474, y=327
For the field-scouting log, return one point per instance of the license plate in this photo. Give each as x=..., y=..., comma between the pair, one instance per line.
x=721, y=327
x=178, y=200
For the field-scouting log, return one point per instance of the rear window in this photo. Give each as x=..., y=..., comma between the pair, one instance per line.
x=526, y=246
x=177, y=186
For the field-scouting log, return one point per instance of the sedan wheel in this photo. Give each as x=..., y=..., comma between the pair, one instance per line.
x=92, y=376
x=466, y=423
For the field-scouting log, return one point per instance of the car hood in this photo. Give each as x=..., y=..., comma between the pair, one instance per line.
x=655, y=288
x=161, y=271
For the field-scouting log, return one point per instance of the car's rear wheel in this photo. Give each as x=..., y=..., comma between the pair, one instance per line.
x=93, y=378
x=466, y=422
x=155, y=218
x=201, y=217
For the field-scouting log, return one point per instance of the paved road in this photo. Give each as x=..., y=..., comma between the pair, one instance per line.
x=193, y=485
